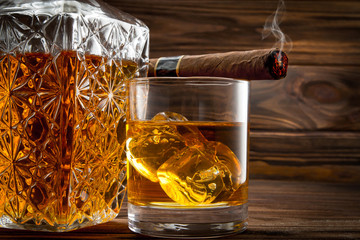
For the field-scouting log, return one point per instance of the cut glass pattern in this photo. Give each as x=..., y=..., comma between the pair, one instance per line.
x=63, y=72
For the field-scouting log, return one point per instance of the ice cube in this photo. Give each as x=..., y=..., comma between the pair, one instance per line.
x=191, y=134
x=231, y=168
x=200, y=175
x=169, y=117
x=150, y=145
x=150, y=148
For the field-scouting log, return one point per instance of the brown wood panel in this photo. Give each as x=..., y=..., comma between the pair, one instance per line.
x=307, y=126
x=318, y=156
x=277, y=210
x=310, y=98
x=322, y=32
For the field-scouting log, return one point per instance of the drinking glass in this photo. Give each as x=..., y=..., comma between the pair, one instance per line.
x=187, y=151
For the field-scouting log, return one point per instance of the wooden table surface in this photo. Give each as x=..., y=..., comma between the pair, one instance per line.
x=277, y=210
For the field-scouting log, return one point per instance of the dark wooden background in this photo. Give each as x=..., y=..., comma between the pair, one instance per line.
x=305, y=127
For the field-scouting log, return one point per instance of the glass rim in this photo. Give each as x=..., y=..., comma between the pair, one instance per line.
x=193, y=79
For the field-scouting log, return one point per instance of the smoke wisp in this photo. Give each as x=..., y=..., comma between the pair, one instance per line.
x=272, y=27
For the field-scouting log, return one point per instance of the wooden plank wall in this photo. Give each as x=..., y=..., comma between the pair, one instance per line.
x=305, y=127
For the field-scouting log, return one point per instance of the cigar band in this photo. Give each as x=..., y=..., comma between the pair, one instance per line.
x=167, y=66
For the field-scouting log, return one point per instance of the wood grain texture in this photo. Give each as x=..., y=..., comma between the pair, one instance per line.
x=311, y=98
x=307, y=126
x=277, y=210
x=318, y=156
x=322, y=32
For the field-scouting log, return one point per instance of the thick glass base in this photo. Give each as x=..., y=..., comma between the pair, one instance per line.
x=42, y=225
x=187, y=222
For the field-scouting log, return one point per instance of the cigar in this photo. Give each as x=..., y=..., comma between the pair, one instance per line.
x=264, y=64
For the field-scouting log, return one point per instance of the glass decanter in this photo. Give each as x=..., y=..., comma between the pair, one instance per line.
x=63, y=72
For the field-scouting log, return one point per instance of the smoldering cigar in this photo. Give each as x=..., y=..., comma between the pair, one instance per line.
x=262, y=64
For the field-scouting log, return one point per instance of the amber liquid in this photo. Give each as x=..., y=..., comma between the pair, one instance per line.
x=60, y=161
x=145, y=192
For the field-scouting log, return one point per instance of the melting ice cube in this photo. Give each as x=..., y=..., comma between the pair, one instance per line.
x=169, y=117
x=151, y=148
x=154, y=143
x=200, y=175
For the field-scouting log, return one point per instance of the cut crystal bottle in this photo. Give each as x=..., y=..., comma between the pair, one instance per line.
x=63, y=72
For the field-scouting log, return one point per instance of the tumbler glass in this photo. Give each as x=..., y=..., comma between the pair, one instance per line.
x=187, y=151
